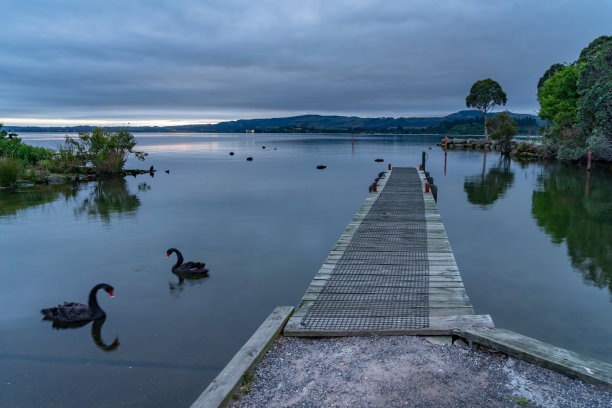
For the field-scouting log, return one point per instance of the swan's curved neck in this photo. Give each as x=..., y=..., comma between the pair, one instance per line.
x=94, y=307
x=179, y=259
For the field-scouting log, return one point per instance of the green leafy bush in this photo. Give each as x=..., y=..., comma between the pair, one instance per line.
x=15, y=148
x=107, y=151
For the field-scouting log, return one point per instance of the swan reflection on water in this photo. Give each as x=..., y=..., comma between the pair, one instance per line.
x=177, y=288
x=96, y=332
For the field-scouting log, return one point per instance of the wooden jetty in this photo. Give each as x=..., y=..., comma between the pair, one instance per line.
x=391, y=272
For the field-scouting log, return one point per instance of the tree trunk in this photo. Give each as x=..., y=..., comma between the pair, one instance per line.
x=484, y=114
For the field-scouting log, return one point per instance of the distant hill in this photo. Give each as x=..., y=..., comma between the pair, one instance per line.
x=462, y=121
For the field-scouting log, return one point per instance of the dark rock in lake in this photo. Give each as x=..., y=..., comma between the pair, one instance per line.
x=379, y=160
x=231, y=153
x=321, y=167
x=249, y=158
x=167, y=171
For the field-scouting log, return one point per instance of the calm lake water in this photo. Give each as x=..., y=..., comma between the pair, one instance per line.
x=534, y=250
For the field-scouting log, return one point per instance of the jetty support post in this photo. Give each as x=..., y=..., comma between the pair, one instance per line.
x=423, y=160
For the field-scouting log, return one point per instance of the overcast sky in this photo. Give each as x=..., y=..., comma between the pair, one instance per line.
x=182, y=61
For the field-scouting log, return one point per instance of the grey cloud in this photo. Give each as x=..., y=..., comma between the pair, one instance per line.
x=226, y=59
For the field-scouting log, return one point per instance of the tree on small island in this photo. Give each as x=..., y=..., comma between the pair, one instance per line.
x=484, y=95
x=502, y=128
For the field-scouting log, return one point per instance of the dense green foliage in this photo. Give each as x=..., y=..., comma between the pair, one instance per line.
x=12, y=146
x=577, y=102
x=484, y=95
x=558, y=97
x=562, y=208
x=549, y=73
x=502, y=128
x=597, y=44
x=106, y=150
x=594, y=113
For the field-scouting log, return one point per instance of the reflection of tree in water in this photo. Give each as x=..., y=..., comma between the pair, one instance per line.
x=108, y=197
x=485, y=189
x=13, y=200
x=563, y=210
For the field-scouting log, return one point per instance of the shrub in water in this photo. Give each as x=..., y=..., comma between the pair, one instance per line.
x=502, y=128
x=107, y=151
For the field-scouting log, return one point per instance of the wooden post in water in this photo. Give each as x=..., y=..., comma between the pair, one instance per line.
x=353, y=142
x=423, y=160
x=445, y=143
x=389, y=166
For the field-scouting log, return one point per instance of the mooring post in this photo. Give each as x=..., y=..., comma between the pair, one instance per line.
x=427, y=187
x=374, y=187
x=423, y=161
x=389, y=166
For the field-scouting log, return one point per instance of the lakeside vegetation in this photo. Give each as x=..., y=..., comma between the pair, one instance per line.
x=97, y=154
x=576, y=101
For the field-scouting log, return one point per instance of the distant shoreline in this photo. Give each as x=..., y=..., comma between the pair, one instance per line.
x=468, y=122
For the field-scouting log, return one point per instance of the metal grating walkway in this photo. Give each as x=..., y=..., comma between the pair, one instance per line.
x=352, y=298
x=391, y=272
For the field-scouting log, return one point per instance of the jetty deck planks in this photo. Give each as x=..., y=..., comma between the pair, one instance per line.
x=391, y=272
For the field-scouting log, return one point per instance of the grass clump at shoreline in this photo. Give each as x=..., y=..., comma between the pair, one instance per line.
x=9, y=171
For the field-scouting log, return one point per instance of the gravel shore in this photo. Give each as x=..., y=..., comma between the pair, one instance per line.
x=405, y=371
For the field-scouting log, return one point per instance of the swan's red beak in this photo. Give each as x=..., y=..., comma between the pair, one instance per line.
x=111, y=294
x=167, y=255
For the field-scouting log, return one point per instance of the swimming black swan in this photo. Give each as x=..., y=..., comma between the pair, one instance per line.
x=187, y=268
x=321, y=167
x=249, y=158
x=74, y=313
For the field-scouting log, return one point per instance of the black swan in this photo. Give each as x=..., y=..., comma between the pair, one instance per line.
x=231, y=153
x=249, y=158
x=379, y=160
x=187, y=268
x=321, y=167
x=75, y=313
